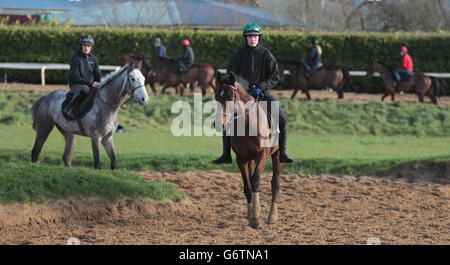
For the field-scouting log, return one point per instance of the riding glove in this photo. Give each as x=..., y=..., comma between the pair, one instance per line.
x=255, y=91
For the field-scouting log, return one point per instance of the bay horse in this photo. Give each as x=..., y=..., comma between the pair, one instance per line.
x=165, y=69
x=418, y=83
x=252, y=150
x=99, y=123
x=331, y=75
x=133, y=58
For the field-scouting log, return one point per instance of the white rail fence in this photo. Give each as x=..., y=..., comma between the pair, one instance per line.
x=54, y=66
x=47, y=66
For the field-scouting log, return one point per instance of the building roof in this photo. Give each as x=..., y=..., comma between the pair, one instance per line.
x=145, y=13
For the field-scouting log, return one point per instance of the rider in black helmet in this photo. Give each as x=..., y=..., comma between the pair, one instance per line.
x=313, y=62
x=84, y=72
x=257, y=65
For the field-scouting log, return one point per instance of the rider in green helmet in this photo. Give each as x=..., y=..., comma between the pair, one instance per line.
x=257, y=66
x=252, y=29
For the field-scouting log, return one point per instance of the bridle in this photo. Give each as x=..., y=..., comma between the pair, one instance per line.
x=234, y=89
x=125, y=82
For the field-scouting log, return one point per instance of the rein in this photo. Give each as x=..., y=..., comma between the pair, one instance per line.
x=235, y=102
x=115, y=106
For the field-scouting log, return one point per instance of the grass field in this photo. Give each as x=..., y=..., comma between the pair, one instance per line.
x=328, y=137
x=324, y=137
x=31, y=183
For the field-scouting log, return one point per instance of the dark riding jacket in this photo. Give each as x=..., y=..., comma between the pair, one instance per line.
x=257, y=65
x=313, y=59
x=187, y=60
x=188, y=57
x=84, y=69
x=161, y=51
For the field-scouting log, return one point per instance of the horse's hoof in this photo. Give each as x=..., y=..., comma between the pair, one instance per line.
x=272, y=220
x=255, y=223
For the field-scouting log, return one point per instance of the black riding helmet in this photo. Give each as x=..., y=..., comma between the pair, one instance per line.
x=87, y=39
x=313, y=40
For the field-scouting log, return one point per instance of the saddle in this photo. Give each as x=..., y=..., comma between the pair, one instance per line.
x=404, y=77
x=308, y=71
x=81, y=107
x=181, y=66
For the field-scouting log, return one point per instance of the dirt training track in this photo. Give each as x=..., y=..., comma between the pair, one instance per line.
x=286, y=94
x=320, y=209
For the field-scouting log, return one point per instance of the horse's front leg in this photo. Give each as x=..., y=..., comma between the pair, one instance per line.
x=393, y=97
x=108, y=144
x=95, y=142
x=244, y=167
x=261, y=160
x=275, y=183
x=70, y=142
x=385, y=95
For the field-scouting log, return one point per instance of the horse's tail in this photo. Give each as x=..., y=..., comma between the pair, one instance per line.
x=35, y=109
x=347, y=77
x=436, y=86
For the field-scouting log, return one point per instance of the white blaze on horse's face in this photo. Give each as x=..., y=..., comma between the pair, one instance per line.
x=137, y=82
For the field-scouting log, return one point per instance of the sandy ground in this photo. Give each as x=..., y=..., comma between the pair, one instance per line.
x=315, y=94
x=319, y=209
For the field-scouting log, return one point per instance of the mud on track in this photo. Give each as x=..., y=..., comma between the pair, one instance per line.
x=315, y=94
x=319, y=209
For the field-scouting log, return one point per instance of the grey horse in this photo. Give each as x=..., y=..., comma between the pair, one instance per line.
x=99, y=123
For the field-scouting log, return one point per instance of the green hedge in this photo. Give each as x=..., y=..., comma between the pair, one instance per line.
x=354, y=51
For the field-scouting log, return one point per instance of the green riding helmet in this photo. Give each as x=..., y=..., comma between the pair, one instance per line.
x=252, y=29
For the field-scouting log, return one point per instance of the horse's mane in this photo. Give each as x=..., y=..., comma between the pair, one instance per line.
x=111, y=76
x=385, y=65
x=391, y=70
x=163, y=58
x=244, y=96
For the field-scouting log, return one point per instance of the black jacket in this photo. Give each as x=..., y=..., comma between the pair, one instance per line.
x=188, y=56
x=257, y=65
x=84, y=69
x=313, y=58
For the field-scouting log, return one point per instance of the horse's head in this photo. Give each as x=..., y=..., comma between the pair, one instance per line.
x=226, y=91
x=137, y=85
x=371, y=69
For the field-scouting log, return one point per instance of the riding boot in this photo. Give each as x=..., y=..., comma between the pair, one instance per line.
x=225, y=158
x=69, y=107
x=397, y=85
x=284, y=157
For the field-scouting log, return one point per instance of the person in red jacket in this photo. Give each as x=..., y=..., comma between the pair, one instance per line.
x=406, y=67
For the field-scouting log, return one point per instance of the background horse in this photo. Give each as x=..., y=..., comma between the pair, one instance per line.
x=330, y=75
x=165, y=69
x=132, y=58
x=418, y=83
x=249, y=149
x=99, y=123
